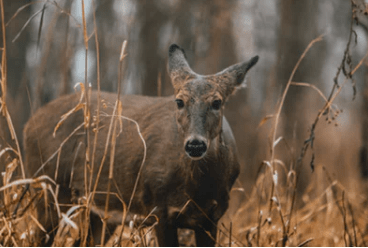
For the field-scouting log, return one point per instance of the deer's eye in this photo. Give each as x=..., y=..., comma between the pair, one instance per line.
x=216, y=104
x=180, y=103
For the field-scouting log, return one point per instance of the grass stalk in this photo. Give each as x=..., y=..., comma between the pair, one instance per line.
x=111, y=174
x=117, y=112
x=281, y=104
x=277, y=117
x=87, y=114
x=87, y=122
x=96, y=129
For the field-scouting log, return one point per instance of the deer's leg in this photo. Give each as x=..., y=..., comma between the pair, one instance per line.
x=47, y=216
x=96, y=229
x=166, y=230
x=206, y=237
x=167, y=234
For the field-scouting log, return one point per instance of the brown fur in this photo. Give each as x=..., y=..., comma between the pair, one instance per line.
x=170, y=177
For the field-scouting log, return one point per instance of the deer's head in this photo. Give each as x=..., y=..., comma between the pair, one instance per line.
x=200, y=100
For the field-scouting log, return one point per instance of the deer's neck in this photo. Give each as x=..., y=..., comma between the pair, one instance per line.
x=198, y=171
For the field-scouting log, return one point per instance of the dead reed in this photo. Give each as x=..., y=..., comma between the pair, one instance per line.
x=268, y=217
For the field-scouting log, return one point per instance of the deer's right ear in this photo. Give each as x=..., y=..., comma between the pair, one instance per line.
x=178, y=67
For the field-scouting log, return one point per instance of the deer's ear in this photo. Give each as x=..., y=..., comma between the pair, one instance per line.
x=233, y=76
x=178, y=67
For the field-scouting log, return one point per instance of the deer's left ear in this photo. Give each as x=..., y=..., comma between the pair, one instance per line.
x=234, y=75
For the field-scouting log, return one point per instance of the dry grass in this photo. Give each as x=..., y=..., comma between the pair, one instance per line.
x=272, y=215
x=334, y=217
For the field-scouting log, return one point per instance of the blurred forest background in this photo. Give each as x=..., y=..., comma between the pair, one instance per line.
x=46, y=58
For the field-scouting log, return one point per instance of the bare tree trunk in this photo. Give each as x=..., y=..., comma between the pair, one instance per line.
x=53, y=71
x=363, y=21
x=151, y=19
x=364, y=148
x=66, y=51
x=17, y=99
x=298, y=27
x=109, y=54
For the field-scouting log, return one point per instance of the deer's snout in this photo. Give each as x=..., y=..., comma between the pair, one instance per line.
x=196, y=148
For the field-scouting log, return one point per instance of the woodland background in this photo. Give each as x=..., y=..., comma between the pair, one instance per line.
x=45, y=57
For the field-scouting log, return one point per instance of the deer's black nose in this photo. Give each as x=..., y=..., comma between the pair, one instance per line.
x=195, y=148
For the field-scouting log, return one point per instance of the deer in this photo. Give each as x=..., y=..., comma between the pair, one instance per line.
x=190, y=162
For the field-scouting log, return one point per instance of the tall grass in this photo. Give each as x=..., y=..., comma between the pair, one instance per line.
x=268, y=217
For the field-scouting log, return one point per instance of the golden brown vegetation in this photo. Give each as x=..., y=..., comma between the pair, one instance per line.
x=273, y=214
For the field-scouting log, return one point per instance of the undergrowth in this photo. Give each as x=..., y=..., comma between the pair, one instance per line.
x=272, y=215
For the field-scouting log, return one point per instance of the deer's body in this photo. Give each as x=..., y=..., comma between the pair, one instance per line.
x=188, y=188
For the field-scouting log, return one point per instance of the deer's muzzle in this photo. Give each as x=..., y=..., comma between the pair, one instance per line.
x=195, y=148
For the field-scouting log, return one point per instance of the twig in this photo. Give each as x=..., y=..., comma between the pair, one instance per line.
x=40, y=26
x=353, y=223
x=27, y=181
x=21, y=9
x=311, y=86
x=28, y=21
x=78, y=25
x=278, y=113
x=348, y=75
x=305, y=242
